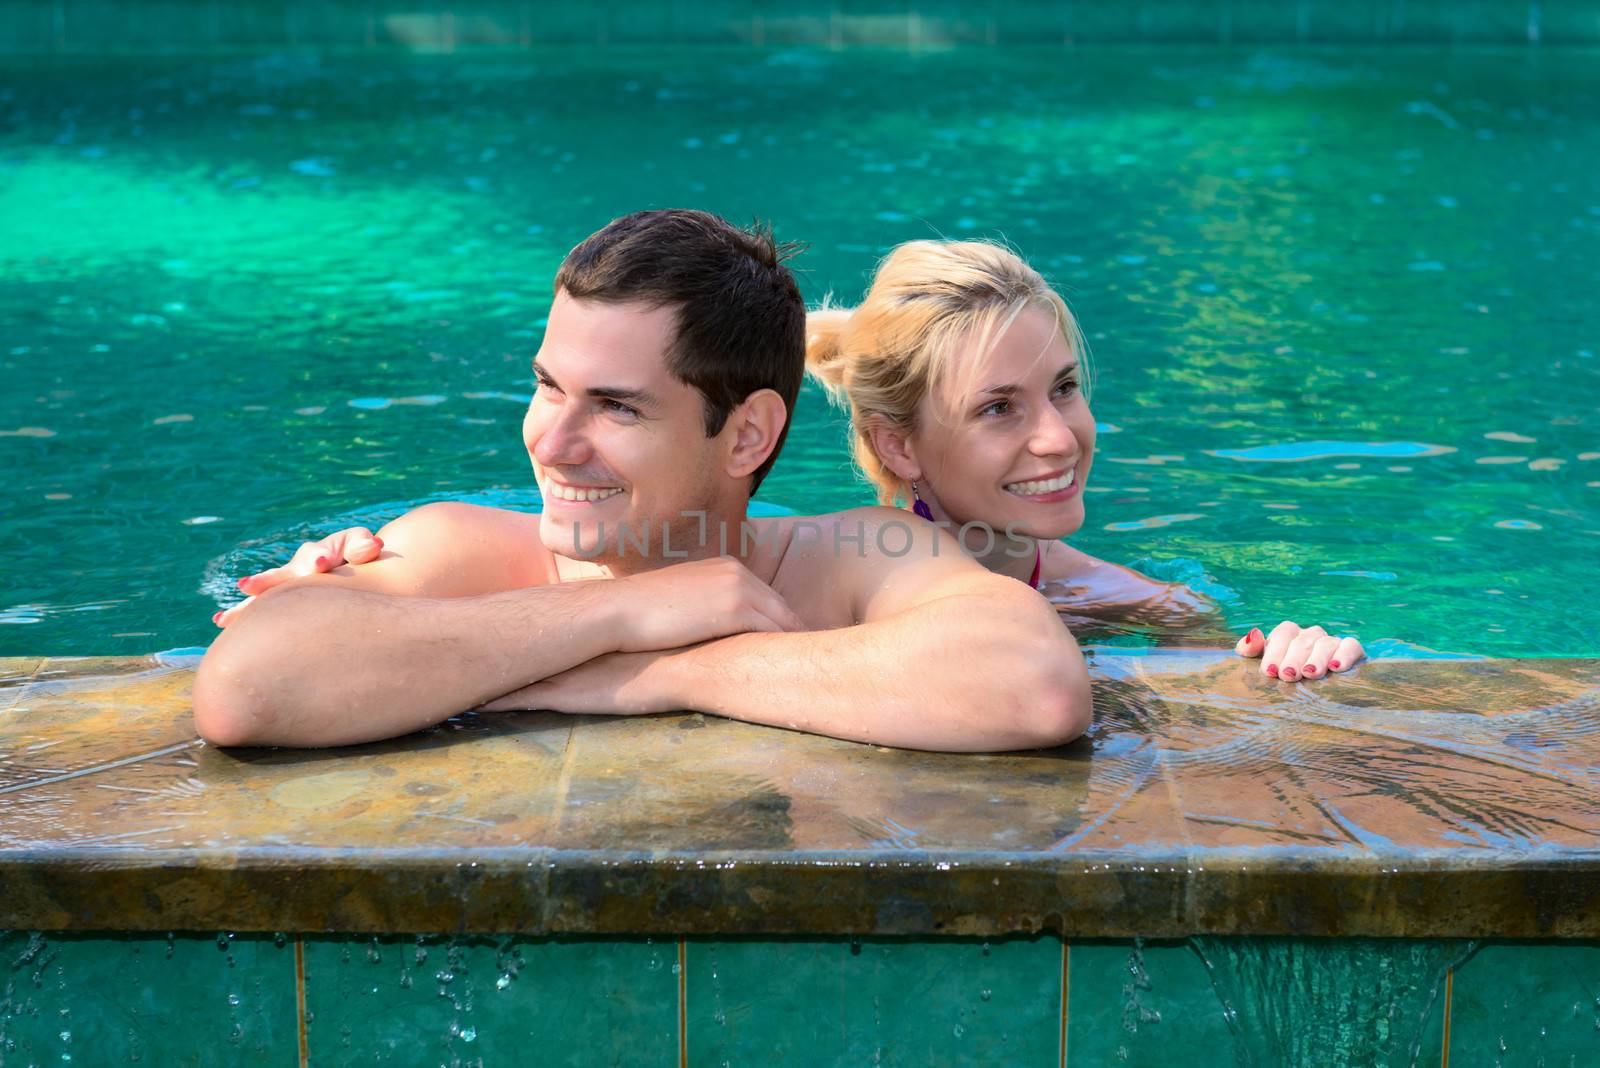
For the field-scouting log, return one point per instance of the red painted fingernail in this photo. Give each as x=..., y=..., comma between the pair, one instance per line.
x=1272, y=669
x=216, y=620
x=242, y=581
x=1309, y=669
x=1287, y=673
x=322, y=562
x=1255, y=633
x=1334, y=664
x=377, y=541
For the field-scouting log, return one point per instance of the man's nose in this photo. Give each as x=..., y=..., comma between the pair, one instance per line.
x=559, y=437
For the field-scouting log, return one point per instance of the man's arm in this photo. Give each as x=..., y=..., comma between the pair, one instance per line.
x=443, y=622
x=462, y=607
x=946, y=656
x=981, y=664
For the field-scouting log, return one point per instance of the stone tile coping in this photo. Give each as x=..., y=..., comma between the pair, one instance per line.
x=1406, y=798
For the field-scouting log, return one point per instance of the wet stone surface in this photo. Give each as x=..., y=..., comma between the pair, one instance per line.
x=1406, y=798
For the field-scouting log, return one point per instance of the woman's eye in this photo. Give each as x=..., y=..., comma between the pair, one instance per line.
x=1067, y=388
x=999, y=407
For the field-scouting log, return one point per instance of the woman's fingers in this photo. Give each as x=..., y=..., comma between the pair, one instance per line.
x=1293, y=653
x=1277, y=644
x=309, y=559
x=1294, y=658
x=226, y=616
x=1316, y=663
x=1346, y=655
x=354, y=545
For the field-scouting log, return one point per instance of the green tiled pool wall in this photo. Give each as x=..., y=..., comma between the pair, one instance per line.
x=430, y=999
x=117, y=25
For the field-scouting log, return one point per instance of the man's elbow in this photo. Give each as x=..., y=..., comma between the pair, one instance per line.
x=1064, y=709
x=1053, y=697
x=227, y=712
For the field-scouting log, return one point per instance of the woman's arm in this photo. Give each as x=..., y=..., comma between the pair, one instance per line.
x=1097, y=590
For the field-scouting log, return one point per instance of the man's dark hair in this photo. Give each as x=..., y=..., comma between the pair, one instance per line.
x=741, y=319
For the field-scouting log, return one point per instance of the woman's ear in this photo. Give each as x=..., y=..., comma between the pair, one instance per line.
x=755, y=428
x=893, y=446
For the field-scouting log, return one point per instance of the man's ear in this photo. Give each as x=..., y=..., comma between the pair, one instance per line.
x=893, y=446
x=755, y=428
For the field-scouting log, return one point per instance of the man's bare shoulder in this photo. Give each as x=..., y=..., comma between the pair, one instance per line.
x=869, y=561
x=455, y=549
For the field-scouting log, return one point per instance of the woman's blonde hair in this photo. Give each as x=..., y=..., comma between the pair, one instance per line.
x=933, y=306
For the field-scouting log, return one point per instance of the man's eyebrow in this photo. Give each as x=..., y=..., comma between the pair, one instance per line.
x=643, y=398
x=1010, y=389
x=640, y=397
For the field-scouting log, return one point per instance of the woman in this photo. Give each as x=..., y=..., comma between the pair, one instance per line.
x=963, y=373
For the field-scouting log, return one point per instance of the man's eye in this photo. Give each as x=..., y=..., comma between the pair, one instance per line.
x=618, y=407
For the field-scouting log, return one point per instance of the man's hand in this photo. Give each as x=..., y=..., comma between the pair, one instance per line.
x=628, y=684
x=353, y=545
x=694, y=602
x=1292, y=653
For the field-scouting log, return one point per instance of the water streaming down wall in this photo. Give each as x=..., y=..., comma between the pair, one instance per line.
x=1359, y=1001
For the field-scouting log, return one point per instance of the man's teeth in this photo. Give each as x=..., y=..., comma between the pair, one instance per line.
x=571, y=493
x=1033, y=489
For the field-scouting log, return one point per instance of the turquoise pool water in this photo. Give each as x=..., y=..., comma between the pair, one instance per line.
x=1342, y=302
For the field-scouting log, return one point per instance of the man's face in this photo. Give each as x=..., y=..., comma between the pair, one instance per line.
x=615, y=439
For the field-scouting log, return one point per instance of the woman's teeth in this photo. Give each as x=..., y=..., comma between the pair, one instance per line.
x=571, y=493
x=1034, y=489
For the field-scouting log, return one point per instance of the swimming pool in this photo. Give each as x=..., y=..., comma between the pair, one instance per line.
x=1340, y=300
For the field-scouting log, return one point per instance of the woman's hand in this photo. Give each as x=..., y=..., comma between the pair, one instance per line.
x=353, y=545
x=1293, y=653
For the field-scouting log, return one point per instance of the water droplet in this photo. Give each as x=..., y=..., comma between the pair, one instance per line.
x=469, y=1033
x=958, y=1030
x=986, y=994
x=233, y=999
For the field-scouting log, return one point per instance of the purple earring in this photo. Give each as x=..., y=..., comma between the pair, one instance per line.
x=920, y=506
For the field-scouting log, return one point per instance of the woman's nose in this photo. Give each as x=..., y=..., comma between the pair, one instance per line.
x=1052, y=434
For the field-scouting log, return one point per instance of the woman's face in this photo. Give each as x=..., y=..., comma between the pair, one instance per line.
x=1010, y=441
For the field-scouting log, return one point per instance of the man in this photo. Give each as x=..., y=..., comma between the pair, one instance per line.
x=671, y=361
